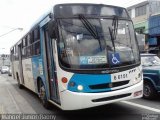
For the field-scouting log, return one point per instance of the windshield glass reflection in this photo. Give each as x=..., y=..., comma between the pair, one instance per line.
x=87, y=43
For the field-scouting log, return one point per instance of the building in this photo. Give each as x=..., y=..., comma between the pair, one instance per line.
x=154, y=26
x=140, y=14
x=146, y=19
x=4, y=60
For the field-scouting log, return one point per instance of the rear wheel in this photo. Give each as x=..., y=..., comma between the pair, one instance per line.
x=19, y=84
x=43, y=96
x=149, y=91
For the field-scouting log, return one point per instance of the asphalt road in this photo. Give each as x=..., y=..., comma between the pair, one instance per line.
x=22, y=101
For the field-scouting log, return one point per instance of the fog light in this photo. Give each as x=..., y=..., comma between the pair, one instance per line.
x=138, y=93
x=80, y=87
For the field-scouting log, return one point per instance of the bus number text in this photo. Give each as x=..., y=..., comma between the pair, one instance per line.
x=122, y=76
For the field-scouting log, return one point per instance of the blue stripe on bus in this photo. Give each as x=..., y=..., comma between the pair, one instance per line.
x=38, y=70
x=86, y=80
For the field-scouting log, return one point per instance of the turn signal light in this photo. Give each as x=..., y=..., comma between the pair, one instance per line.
x=64, y=80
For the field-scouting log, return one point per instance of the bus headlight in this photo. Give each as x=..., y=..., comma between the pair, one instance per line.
x=139, y=75
x=138, y=78
x=72, y=84
x=80, y=87
x=75, y=87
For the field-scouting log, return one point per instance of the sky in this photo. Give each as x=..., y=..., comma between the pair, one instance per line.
x=16, y=14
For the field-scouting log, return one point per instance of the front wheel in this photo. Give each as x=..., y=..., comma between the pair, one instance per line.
x=149, y=91
x=43, y=96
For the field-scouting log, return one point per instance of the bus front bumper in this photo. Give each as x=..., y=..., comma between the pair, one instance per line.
x=74, y=100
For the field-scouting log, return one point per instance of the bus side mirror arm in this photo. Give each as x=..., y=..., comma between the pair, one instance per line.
x=52, y=29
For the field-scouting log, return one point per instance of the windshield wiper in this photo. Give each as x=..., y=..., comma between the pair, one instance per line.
x=88, y=26
x=112, y=38
x=113, y=30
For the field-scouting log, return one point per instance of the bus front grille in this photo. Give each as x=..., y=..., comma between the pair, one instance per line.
x=111, y=98
x=109, y=85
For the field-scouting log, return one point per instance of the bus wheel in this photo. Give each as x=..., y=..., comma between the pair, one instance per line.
x=19, y=84
x=43, y=96
x=149, y=91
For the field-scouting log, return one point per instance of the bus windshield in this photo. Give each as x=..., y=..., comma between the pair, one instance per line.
x=90, y=43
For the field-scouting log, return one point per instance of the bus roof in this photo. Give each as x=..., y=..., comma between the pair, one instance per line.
x=51, y=10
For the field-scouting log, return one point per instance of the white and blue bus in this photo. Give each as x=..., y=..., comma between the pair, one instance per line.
x=80, y=56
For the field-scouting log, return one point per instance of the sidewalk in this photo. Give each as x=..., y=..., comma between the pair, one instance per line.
x=11, y=102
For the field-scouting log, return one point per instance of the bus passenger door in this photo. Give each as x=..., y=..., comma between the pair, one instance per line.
x=20, y=63
x=51, y=69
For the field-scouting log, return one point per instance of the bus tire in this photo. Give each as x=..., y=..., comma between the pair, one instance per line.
x=149, y=91
x=43, y=96
x=19, y=84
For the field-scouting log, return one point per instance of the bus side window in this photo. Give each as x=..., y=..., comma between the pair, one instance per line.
x=37, y=48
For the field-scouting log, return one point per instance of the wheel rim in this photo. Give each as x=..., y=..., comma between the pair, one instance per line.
x=147, y=90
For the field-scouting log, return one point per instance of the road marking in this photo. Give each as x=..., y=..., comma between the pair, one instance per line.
x=14, y=101
x=141, y=106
